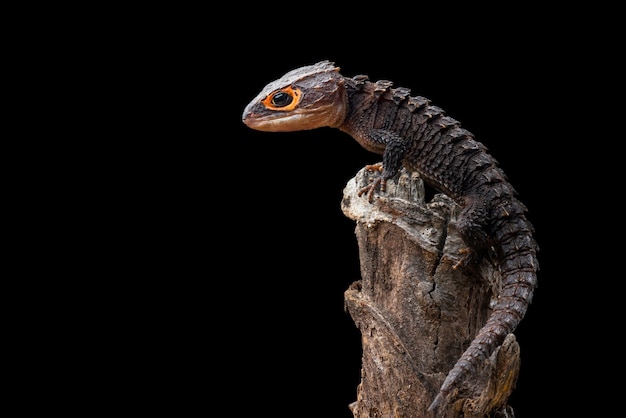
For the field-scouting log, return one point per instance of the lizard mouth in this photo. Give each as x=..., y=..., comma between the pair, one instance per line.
x=274, y=123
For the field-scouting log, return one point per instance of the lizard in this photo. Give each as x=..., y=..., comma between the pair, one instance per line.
x=409, y=131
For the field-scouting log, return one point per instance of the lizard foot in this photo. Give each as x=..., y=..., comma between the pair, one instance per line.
x=375, y=167
x=468, y=258
x=371, y=188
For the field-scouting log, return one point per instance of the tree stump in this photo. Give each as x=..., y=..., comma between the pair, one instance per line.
x=416, y=314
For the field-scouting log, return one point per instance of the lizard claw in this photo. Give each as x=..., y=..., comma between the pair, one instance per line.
x=376, y=183
x=374, y=167
x=371, y=188
x=468, y=257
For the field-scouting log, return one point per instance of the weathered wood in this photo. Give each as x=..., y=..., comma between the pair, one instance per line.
x=417, y=314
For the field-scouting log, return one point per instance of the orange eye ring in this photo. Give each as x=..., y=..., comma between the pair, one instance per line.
x=284, y=99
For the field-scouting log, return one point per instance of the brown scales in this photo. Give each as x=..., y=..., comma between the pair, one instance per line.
x=408, y=131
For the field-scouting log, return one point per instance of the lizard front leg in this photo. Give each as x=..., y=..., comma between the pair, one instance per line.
x=378, y=183
x=395, y=149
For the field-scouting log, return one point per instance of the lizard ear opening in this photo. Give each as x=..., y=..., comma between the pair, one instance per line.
x=284, y=99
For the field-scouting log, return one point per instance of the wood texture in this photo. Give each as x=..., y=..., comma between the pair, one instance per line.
x=416, y=314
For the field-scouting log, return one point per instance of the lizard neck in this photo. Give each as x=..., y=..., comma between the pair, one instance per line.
x=361, y=111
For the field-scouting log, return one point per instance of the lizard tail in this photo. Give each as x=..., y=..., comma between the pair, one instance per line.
x=518, y=268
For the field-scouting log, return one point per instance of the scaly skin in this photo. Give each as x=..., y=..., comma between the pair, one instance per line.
x=408, y=131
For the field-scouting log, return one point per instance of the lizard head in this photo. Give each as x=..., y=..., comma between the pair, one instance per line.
x=305, y=98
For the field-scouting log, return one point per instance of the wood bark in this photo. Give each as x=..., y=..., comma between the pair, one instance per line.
x=415, y=312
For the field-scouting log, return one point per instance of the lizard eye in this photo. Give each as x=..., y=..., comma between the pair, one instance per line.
x=283, y=99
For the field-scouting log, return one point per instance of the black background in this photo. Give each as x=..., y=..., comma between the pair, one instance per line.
x=223, y=286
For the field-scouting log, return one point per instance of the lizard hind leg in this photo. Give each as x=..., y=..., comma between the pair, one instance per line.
x=471, y=226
